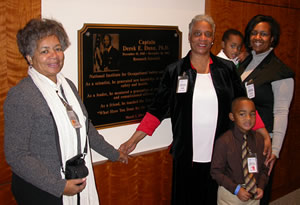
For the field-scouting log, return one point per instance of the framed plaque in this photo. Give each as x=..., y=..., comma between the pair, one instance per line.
x=120, y=67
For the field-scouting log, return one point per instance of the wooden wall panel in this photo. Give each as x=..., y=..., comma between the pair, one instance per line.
x=6, y=197
x=13, y=15
x=275, y=3
x=3, y=88
x=145, y=180
x=236, y=14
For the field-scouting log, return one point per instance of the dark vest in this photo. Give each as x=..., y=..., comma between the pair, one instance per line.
x=269, y=70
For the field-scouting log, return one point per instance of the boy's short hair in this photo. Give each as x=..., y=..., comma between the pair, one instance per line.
x=237, y=100
x=231, y=31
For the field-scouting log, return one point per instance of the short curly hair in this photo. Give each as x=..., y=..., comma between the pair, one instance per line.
x=202, y=17
x=37, y=29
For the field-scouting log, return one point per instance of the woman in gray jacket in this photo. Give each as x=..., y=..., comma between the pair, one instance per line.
x=44, y=114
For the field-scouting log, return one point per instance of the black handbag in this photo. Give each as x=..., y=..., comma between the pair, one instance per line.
x=75, y=168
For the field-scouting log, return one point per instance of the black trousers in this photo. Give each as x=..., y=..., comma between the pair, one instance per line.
x=193, y=184
x=28, y=194
x=268, y=190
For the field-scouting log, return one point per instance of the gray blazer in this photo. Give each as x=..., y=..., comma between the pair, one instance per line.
x=29, y=141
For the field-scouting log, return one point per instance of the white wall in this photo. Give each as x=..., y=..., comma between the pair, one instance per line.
x=74, y=13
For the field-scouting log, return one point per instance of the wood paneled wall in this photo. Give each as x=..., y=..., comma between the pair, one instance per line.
x=147, y=178
x=13, y=15
x=236, y=14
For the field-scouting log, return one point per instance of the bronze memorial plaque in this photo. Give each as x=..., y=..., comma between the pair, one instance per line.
x=120, y=67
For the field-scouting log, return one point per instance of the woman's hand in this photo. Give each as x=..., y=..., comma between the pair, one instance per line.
x=123, y=157
x=130, y=144
x=267, y=143
x=72, y=186
x=270, y=163
x=267, y=147
x=242, y=56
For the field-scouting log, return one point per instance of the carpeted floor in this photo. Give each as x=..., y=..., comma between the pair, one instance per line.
x=292, y=198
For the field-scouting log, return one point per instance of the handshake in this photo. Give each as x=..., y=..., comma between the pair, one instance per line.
x=123, y=157
x=130, y=145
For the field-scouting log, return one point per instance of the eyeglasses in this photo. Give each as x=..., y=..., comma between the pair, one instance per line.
x=207, y=34
x=261, y=33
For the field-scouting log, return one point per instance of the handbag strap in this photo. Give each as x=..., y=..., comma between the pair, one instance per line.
x=58, y=144
x=78, y=144
x=77, y=129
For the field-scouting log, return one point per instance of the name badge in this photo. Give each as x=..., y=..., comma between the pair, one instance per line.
x=250, y=89
x=73, y=119
x=70, y=112
x=252, y=163
x=182, y=84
